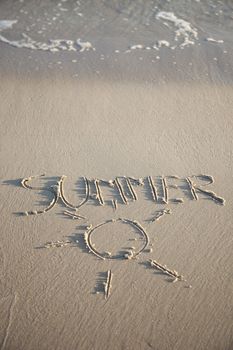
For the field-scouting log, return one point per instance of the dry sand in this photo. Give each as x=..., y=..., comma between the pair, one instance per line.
x=127, y=122
x=47, y=294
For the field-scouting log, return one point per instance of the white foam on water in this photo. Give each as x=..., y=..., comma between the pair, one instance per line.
x=157, y=46
x=85, y=45
x=211, y=40
x=163, y=43
x=135, y=47
x=6, y=24
x=53, y=45
x=184, y=29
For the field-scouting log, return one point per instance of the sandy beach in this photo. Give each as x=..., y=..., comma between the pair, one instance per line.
x=125, y=240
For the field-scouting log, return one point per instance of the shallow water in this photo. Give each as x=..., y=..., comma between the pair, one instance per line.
x=108, y=31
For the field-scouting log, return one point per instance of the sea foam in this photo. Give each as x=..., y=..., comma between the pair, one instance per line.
x=211, y=40
x=6, y=24
x=184, y=29
x=53, y=45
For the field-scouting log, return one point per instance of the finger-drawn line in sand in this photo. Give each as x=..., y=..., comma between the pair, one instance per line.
x=121, y=191
x=107, y=255
x=74, y=215
x=213, y=195
x=160, y=214
x=65, y=201
x=177, y=200
x=108, y=284
x=139, y=181
x=192, y=188
x=130, y=252
x=114, y=204
x=131, y=190
x=98, y=192
x=25, y=181
x=153, y=188
x=57, y=244
x=172, y=273
x=57, y=191
x=104, y=284
x=53, y=189
x=165, y=189
x=209, y=178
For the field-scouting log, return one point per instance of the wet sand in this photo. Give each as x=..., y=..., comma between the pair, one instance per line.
x=145, y=261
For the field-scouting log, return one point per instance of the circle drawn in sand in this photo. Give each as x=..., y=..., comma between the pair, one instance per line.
x=128, y=254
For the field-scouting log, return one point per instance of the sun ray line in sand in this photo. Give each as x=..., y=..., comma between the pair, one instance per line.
x=160, y=213
x=121, y=191
x=129, y=255
x=98, y=192
x=73, y=215
x=108, y=284
x=153, y=188
x=163, y=268
x=55, y=190
x=57, y=244
x=63, y=198
x=131, y=190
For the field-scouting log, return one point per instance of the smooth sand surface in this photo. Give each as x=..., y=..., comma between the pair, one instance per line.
x=103, y=130
x=157, y=114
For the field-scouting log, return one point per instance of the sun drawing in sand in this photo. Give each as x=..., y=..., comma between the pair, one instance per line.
x=138, y=233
